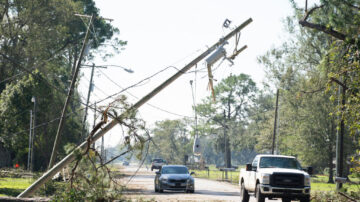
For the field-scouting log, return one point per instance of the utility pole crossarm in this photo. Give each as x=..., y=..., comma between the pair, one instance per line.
x=70, y=157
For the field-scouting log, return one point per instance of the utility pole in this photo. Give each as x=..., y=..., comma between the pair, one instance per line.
x=94, y=122
x=275, y=122
x=33, y=99
x=83, y=135
x=340, y=142
x=62, y=119
x=226, y=148
x=29, y=153
x=70, y=157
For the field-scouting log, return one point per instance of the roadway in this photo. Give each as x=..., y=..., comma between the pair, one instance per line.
x=142, y=186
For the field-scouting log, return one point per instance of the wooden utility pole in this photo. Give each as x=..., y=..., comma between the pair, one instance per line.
x=226, y=160
x=30, y=137
x=70, y=157
x=94, y=124
x=275, y=122
x=340, y=142
x=83, y=135
x=73, y=81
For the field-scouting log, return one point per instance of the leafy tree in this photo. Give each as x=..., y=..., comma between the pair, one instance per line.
x=339, y=20
x=227, y=115
x=14, y=108
x=171, y=141
x=300, y=67
x=40, y=42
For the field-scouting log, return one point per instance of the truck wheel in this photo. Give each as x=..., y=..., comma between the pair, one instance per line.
x=244, y=195
x=259, y=196
x=305, y=199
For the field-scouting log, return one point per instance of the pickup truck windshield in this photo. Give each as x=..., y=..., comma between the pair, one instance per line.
x=279, y=162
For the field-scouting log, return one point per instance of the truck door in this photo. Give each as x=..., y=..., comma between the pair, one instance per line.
x=252, y=176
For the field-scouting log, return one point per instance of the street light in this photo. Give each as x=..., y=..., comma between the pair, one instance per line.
x=33, y=99
x=105, y=66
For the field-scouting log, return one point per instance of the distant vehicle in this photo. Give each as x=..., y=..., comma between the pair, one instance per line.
x=275, y=176
x=126, y=163
x=157, y=163
x=174, y=177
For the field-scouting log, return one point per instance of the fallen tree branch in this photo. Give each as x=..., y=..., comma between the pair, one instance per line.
x=347, y=196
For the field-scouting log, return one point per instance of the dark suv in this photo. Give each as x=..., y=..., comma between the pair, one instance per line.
x=157, y=163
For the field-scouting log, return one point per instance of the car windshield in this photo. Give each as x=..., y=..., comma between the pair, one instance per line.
x=279, y=162
x=174, y=170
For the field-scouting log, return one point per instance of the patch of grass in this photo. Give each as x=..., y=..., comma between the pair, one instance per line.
x=14, y=186
x=214, y=174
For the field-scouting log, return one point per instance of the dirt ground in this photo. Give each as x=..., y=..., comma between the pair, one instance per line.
x=142, y=186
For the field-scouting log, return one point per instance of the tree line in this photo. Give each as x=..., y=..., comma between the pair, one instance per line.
x=40, y=45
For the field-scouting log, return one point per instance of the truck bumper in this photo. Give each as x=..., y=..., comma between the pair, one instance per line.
x=281, y=191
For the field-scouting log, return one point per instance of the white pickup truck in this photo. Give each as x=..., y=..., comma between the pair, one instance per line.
x=275, y=176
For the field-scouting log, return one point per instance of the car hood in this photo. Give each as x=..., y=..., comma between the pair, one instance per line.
x=175, y=176
x=281, y=170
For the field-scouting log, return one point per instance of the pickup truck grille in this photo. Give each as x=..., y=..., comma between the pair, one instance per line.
x=287, y=180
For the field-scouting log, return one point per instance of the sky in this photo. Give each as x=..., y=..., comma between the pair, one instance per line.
x=169, y=33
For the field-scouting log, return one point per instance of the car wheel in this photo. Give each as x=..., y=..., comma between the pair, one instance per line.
x=259, y=196
x=160, y=189
x=305, y=199
x=244, y=195
x=156, y=189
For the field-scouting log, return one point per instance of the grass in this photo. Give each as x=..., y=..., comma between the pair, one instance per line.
x=216, y=174
x=14, y=186
x=318, y=182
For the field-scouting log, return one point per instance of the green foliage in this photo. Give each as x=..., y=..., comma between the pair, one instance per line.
x=40, y=44
x=171, y=141
x=234, y=97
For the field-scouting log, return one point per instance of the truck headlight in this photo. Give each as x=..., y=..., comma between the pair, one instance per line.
x=307, y=180
x=265, y=178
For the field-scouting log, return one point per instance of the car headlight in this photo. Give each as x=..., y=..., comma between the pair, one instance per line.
x=307, y=180
x=265, y=177
x=190, y=180
x=163, y=179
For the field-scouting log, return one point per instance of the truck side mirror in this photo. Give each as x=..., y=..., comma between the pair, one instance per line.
x=248, y=167
x=310, y=170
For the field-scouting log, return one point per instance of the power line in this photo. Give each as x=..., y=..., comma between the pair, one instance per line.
x=154, y=106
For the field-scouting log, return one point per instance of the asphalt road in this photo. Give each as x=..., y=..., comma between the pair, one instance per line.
x=142, y=186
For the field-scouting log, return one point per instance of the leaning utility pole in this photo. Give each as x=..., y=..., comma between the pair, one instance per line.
x=275, y=122
x=62, y=119
x=83, y=132
x=70, y=157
